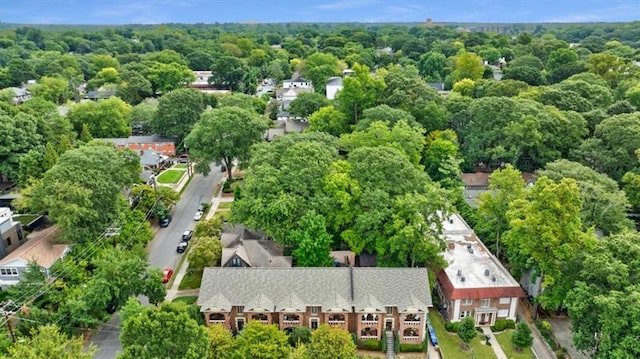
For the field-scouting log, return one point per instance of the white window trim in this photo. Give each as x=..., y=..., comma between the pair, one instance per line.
x=467, y=301
x=505, y=301
x=9, y=272
x=503, y=313
x=311, y=320
x=483, y=301
x=315, y=310
x=465, y=313
x=388, y=310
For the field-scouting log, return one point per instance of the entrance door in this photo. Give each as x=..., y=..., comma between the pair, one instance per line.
x=388, y=324
x=314, y=323
x=240, y=324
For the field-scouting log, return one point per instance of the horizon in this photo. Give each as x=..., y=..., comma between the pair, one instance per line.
x=148, y=12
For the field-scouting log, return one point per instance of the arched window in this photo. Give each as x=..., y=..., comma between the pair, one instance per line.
x=369, y=332
x=291, y=317
x=370, y=317
x=259, y=316
x=336, y=317
x=412, y=318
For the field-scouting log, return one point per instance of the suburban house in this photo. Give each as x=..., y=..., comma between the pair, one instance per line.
x=286, y=95
x=478, y=182
x=474, y=283
x=151, y=160
x=297, y=82
x=245, y=248
x=20, y=95
x=164, y=146
x=40, y=248
x=10, y=232
x=364, y=301
x=100, y=95
x=286, y=123
x=201, y=83
x=334, y=84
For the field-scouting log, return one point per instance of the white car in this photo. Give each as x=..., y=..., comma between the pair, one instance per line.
x=198, y=216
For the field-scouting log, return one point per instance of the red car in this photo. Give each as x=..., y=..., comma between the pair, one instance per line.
x=166, y=275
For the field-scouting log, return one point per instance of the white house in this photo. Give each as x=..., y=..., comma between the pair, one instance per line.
x=333, y=86
x=298, y=82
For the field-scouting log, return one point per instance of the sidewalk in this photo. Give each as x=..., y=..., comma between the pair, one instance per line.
x=539, y=347
x=497, y=349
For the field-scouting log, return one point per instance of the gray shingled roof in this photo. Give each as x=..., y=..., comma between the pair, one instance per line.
x=329, y=288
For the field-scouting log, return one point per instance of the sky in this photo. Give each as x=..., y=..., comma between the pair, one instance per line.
x=269, y=11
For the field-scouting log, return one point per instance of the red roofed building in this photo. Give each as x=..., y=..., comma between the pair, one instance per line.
x=474, y=283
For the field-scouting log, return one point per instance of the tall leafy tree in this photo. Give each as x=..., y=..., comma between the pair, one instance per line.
x=104, y=118
x=206, y=252
x=521, y=337
x=329, y=120
x=360, y=92
x=261, y=341
x=604, y=205
x=312, y=241
x=546, y=235
x=18, y=136
x=467, y=330
x=177, y=112
x=48, y=342
x=505, y=186
x=164, y=331
x=224, y=135
x=468, y=66
x=307, y=103
x=318, y=67
x=329, y=343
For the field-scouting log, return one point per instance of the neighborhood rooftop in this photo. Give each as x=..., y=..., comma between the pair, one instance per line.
x=293, y=289
x=42, y=250
x=470, y=264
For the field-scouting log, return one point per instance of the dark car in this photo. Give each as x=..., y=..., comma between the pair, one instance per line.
x=183, y=158
x=164, y=222
x=182, y=246
x=186, y=236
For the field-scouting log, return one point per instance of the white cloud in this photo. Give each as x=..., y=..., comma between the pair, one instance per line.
x=346, y=4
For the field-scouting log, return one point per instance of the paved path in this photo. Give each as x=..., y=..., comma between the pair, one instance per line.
x=497, y=349
x=561, y=328
x=539, y=347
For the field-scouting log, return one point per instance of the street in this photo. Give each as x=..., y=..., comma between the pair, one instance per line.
x=162, y=250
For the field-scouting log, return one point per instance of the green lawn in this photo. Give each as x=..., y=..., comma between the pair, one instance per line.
x=170, y=176
x=504, y=339
x=189, y=299
x=25, y=219
x=180, y=165
x=225, y=205
x=450, y=343
x=223, y=215
x=191, y=280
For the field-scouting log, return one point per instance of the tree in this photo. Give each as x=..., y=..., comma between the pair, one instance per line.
x=307, y=103
x=82, y=192
x=464, y=87
x=631, y=186
x=261, y=341
x=330, y=343
x=47, y=342
x=50, y=157
x=408, y=139
x=133, y=88
x=318, y=67
x=550, y=213
x=505, y=186
x=521, y=337
x=165, y=78
x=145, y=196
x=359, y=92
x=104, y=118
x=531, y=75
x=442, y=159
x=467, y=330
x=602, y=303
x=177, y=112
x=220, y=340
x=329, y=120
x=561, y=64
x=299, y=336
x=468, y=66
x=54, y=89
x=223, y=135
x=18, y=136
x=229, y=72
x=384, y=113
x=604, y=205
x=206, y=252
x=250, y=103
x=312, y=242
x=432, y=66
x=164, y=331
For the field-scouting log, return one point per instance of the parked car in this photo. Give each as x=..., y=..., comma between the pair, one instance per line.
x=186, y=236
x=166, y=275
x=164, y=222
x=182, y=246
x=198, y=216
x=183, y=158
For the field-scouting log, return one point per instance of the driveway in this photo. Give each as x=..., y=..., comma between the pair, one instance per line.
x=561, y=328
x=162, y=250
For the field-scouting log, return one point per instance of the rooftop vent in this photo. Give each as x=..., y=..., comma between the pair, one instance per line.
x=451, y=220
x=493, y=278
x=470, y=248
x=486, y=272
x=462, y=279
x=459, y=272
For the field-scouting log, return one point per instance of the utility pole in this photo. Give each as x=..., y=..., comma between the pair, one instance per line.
x=8, y=319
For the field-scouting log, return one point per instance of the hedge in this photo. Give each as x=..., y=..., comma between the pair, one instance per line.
x=411, y=347
x=369, y=344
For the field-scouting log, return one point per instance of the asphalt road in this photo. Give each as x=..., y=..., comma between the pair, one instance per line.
x=162, y=250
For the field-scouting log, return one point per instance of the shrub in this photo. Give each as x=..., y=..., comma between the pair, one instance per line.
x=511, y=324
x=396, y=343
x=299, y=335
x=499, y=326
x=452, y=327
x=411, y=347
x=383, y=342
x=369, y=344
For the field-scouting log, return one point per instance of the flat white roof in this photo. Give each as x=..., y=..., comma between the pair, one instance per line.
x=468, y=258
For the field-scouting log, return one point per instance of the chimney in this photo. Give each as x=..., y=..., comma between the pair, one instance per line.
x=459, y=272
